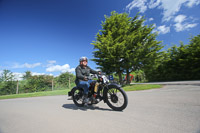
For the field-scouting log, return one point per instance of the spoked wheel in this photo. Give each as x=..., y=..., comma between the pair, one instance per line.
x=117, y=99
x=77, y=95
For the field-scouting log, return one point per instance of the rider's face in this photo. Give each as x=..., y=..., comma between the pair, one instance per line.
x=84, y=63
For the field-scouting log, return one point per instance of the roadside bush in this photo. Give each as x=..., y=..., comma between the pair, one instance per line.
x=8, y=87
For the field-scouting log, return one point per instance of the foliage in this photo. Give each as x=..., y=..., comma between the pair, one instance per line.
x=7, y=83
x=138, y=76
x=8, y=87
x=110, y=42
x=36, y=83
x=179, y=63
x=63, y=80
x=7, y=75
x=125, y=44
x=27, y=75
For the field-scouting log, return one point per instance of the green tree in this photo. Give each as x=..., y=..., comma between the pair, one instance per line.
x=179, y=63
x=27, y=75
x=37, y=83
x=109, y=43
x=193, y=57
x=142, y=48
x=125, y=44
x=7, y=75
x=7, y=83
x=63, y=80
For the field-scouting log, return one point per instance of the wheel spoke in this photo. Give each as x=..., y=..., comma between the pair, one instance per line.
x=77, y=97
x=110, y=92
x=115, y=97
x=116, y=91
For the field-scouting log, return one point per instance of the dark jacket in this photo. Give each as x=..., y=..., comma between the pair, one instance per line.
x=82, y=73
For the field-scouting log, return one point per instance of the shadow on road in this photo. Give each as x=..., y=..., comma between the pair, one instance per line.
x=85, y=108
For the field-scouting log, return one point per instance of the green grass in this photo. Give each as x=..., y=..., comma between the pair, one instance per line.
x=36, y=94
x=65, y=92
x=141, y=87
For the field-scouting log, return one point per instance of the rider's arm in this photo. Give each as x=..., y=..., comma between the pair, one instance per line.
x=93, y=71
x=79, y=74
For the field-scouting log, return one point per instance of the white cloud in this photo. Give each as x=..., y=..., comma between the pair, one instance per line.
x=31, y=65
x=181, y=25
x=139, y=4
x=191, y=3
x=51, y=61
x=151, y=19
x=19, y=76
x=26, y=65
x=186, y=26
x=169, y=7
x=59, y=68
x=36, y=73
x=154, y=3
x=179, y=18
x=163, y=29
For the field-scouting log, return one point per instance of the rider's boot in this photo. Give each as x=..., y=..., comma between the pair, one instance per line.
x=85, y=99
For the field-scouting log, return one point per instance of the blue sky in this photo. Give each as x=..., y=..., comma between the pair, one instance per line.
x=49, y=36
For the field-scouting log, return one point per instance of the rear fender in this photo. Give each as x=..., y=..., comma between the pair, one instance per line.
x=70, y=92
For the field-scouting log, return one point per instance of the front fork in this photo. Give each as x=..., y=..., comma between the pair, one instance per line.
x=106, y=88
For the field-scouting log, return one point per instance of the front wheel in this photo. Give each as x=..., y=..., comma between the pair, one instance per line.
x=116, y=98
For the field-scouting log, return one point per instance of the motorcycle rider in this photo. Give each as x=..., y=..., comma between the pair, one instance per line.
x=82, y=77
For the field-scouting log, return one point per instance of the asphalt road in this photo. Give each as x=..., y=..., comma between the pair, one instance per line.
x=171, y=109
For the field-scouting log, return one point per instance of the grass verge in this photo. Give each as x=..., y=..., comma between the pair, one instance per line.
x=36, y=94
x=65, y=92
x=141, y=87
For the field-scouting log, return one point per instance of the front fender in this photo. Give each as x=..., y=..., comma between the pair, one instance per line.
x=113, y=85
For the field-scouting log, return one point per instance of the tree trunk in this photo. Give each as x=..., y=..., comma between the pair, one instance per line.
x=69, y=83
x=120, y=78
x=17, y=89
x=52, y=84
x=128, y=77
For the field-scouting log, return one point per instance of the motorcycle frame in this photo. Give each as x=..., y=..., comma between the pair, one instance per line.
x=106, y=87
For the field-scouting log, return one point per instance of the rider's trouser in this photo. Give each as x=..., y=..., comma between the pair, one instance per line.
x=85, y=85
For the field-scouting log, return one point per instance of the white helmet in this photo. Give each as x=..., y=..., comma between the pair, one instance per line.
x=83, y=58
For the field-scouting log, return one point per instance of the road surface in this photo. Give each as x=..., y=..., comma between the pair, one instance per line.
x=171, y=109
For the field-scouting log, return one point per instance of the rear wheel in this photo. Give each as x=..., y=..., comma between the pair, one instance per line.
x=77, y=95
x=116, y=98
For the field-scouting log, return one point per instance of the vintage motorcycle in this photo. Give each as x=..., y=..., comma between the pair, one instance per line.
x=110, y=93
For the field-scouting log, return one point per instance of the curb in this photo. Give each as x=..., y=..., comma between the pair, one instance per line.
x=197, y=82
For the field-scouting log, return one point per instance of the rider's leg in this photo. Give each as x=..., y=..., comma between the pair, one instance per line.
x=85, y=85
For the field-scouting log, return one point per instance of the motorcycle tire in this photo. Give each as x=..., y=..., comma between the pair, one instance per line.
x=116, y=98
x=77, y=95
